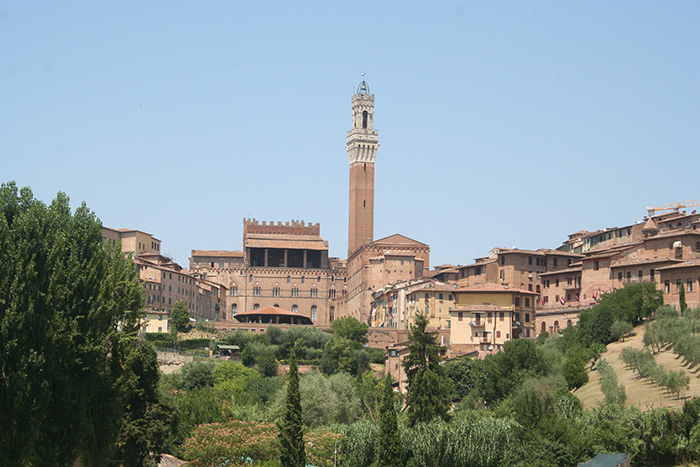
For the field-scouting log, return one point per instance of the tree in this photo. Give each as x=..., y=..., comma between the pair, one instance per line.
x=350, y=328
x=619, y=329
x=68, y=302
x=428, y=395
x=574, y=369
x=681, y=297
x=197, y=375
x=291, y=427
x=267, y=363
x=389, y=443
x=180, y=315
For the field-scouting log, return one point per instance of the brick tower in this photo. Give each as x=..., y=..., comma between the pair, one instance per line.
x=362, y=145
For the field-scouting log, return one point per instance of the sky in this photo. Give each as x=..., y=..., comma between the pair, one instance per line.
x=501, y=124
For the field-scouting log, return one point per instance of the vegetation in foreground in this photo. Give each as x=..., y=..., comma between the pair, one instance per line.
x=77, y=382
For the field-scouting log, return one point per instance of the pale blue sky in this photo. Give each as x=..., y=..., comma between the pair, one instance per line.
x=500, y=123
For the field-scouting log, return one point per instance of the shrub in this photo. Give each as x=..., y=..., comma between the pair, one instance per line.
x=231, y=443
x=614, y=393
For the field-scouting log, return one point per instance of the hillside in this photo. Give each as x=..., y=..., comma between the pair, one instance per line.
x=640, y=393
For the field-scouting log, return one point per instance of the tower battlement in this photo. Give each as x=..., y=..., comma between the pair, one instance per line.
x=294, y=227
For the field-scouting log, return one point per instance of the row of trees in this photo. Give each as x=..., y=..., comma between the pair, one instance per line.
x=75, y=381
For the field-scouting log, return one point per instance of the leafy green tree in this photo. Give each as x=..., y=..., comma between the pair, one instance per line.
x=574, y=369
x=291, y=427
x=619, y=329
x=428, y=395
x=248, y=356
x=459, y=371
x=338, y=355
x=180, y=315
x=146, y=419
x=267, y=363
x=389, y=443
x=66, y=302
x=197, y=375
x=350, y=328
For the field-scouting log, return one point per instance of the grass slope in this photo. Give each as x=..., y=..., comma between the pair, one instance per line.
x=640, y=393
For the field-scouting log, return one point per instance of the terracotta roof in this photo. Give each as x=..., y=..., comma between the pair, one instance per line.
x=482, y=308
x=650, y=225
x=218, y=253
x=398, y=240
x=296, y=242
x=561, y=271
x=611, y=251
x=674, y=233
x=664, y=259
x=693, y=263
x=491, y=287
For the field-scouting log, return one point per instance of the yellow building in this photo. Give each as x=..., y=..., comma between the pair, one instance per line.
x=487, y=315
x=398, y=305
x=156, y=321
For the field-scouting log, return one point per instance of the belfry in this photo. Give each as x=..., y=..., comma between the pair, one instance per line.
x=362, y=144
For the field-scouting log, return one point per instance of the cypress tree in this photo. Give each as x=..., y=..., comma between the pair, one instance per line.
x=389, y=448
x=681, y=297
x=428, y=396
x=291, y=428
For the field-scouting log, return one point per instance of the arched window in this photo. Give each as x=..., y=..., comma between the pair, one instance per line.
x=314, y=313
x=364, y=119
x=233, y=291
x=250, y=278
x=538, y=288
x=289, y=279
x=295, y=291
x=331, y=293
x=314, y=292
x=276, y=305
x=295, y=309
x=234, y=309
x=543, y=328
x=276, y=291
x=556, y=326
x=331, y=314
x=256, y=291
x=256, y=306
x=568, y=323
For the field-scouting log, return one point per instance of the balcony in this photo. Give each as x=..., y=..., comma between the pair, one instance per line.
x=477, y=324
x=572, y=287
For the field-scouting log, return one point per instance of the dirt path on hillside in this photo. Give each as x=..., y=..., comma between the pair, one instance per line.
x=640, y=393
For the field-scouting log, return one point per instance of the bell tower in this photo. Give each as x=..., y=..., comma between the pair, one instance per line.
x=362, y=144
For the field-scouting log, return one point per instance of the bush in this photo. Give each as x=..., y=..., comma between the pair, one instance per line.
x=196, y=375
x=161, y=340
x=231, y=443
x=193, y=344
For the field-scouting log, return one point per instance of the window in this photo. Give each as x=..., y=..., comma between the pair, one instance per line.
x=427, y=296
x=689, y=287
x=529, y=260
x=256, y=306
x=596, y=265
x=679, y=285
x=221, y=264
x=314, y=313
x=331, y=293
x=276, y=291
x=554, y=261
x=489, y=316
x=250, y=278
x=527, y=301
x=289, y=279
x=234, y=309
x=256, y=291
x=629, y=275
x=516, y=301
x=449, y=296
x=318, y=279
x=651, y=274
x=460, y=316
x=640, y=274
x=314, y=292
x=501, y=316
x=331, y=314
x=503, y=260
x=498, y=334
x=233, y=291
x=302, y=279
x=556, y=283
x=667, y=287
x=619, y=276
x=527, y=317
x=440, y=296
x=295, y=291
x=295, y=309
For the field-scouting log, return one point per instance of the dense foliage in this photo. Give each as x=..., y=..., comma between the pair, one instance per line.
x=74, y=381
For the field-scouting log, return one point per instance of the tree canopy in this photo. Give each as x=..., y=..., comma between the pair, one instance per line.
x=69, y=310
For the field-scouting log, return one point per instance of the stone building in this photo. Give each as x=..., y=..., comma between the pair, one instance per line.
x=487, y=315
x=372, y=264
x=281, y=265
x=397, y=305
